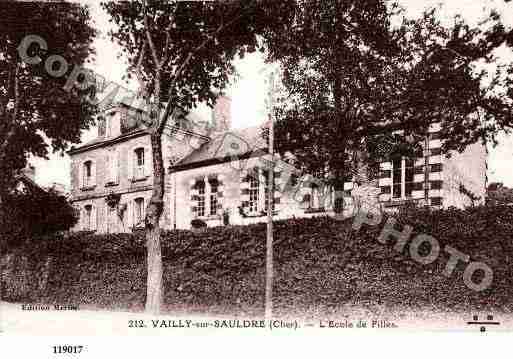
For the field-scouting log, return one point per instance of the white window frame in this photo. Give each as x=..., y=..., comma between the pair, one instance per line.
x=139, y=210
x=201, y=208
x=139, y=169
x=254, y=195
x=104, y=120
x=88, y=217
x=403, y=183
x=87, y=180
x=213, y=199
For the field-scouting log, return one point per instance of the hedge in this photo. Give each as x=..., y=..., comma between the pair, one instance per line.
x=320, y=264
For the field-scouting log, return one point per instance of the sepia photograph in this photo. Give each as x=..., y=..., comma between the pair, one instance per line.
x=255, y=166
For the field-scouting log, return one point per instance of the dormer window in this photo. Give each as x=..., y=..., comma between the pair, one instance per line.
x=102, y=126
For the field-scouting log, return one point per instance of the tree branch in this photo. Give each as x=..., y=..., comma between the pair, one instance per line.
x=186, y=62
x=165, y=55
x=138, y=71
x=158, y=63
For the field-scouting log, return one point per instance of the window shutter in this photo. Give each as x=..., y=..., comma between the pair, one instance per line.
x=128, y=215
x=81, y=176
x=131, y=164
x=115, y=166
x=93, y=173
x=94, y=218
x=143, y=211
x=148, y=163
x=134, y=213
x=108, y=169
x=220, y=190
x=244, y=188
x=80, y=223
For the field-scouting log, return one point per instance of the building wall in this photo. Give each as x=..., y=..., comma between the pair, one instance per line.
x=176, y=144
x=290, y=203
x=467, y=169
x=437, y=178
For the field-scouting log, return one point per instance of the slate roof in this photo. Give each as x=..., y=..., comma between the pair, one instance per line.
x=230, y=143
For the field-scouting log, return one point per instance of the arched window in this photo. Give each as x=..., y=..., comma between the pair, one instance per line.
x=87, y=173
x=139, y=211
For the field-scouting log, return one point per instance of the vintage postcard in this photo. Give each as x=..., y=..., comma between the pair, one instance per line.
x=255, y=166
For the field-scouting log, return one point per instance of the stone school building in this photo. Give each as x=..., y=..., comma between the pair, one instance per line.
x=222, y=175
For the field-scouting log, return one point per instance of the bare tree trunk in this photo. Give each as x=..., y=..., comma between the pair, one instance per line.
x=154, y=212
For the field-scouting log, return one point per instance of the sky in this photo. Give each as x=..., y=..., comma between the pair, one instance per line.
x=248, y=91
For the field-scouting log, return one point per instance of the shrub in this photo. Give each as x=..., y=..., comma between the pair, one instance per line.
x=319, y=262
x=198, y=223
x=36, y=214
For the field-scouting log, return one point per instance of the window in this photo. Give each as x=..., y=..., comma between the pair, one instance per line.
x=436, y=201
x=436, y=184
x=437, y=167
x=112, y=168
x=201, y=198
x=397, y=177
x=403, y=171
x=385, y=190
x=101, y=126
x=436, y=151
x=88, y=174
x=108, y=127
x=139, y=211
x=385, y=174
x=213, y=196
x=408, y=176
x=266, y=190
x=88, y=217
x=294, y=178
x=253, y=192
x=139, y=163
x=434, y=135
x=418, y=186
x=419, y=170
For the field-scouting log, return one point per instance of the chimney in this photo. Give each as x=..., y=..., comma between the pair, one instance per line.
x=222, y=114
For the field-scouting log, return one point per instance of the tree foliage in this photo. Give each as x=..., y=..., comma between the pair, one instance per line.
x=34, y=108
x=193, y=43
x=36, y=213
x=181, y=53
x=354, y=71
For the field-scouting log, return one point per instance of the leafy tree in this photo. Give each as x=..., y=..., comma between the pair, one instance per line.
x=354, y=71
x=181, y=53
x=35, y=212
x=497, y=193
x=34, y=108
